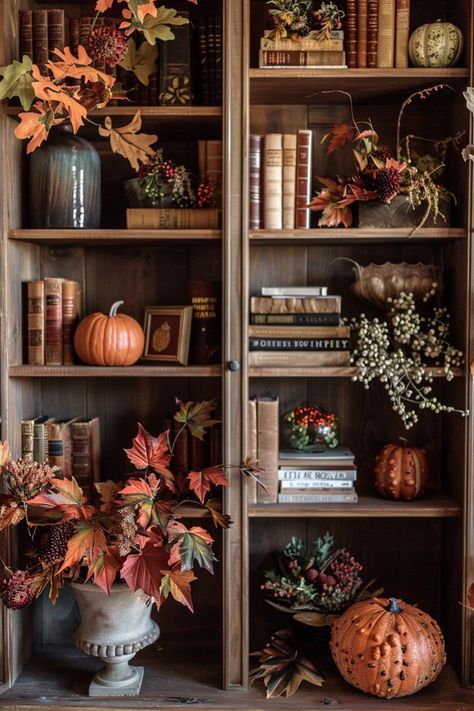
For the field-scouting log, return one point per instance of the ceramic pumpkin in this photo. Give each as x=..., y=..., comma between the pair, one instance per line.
x=115, y=340
x=437, y=44
x=387, y=648
x=401, y=472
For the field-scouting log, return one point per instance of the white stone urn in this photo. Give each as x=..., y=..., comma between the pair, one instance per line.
x=114, y=628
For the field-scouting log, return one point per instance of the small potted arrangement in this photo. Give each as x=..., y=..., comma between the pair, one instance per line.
x=391, y=188
x=310, y=428
x=296, y=20
x=124, y=551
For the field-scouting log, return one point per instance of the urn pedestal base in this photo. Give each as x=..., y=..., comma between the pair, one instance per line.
x=117, y=678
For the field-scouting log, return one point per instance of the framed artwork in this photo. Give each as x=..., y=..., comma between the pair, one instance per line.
x=167, y=333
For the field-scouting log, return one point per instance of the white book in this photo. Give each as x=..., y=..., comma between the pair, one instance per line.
x=322, y=498
x=339, y=454
x=273, y=182
x=289, y=291
x=289, y=181
x=286, y=484
x=315, y=474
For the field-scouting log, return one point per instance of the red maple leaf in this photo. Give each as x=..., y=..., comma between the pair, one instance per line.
x=104, y=570
x=138, y=493
x=147, y=451
x=339, y=135
x=88, y=543
x=178, y=583
x=201, y=482
x=143, y=571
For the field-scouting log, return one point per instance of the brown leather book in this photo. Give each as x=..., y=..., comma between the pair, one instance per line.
x=40, y=438
x=362, y=33
x=267, y=448
x=35, y=321
x=40, y=39
x=85, y=449
x=85, y=26
x=255, y=181
x=273, y=181
x=218, y=68
x=372, y=32
x=74, y=24
x=289, y=180
x=402, y=33
x=281, y=58
x=303, y=177
x=351, y=33
x=295, y=305
x=59, y=446
x=301, y=359
x=205, y=298
x=214, y=166
x=386, y=39
x=252, y=447
x=70, y=315
x=153, y=89
x=203, y=62
x=25, y=33
x=56, y=30
x=179, y=218
x=53, y=344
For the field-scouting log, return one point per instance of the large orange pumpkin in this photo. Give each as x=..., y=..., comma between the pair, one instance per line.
x=387, y=648
x=116, y=339
x=401, y=472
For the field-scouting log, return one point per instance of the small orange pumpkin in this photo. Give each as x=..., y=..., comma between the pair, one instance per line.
x=387, y=648
x=401, y=472
x=116, y=339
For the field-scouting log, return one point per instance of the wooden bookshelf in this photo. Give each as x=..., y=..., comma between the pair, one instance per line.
x=356, y=235
x=322, y=372
x=112, y=237
x=134, y=371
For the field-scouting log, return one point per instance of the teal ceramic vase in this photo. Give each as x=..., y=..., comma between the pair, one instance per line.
x=65, y=182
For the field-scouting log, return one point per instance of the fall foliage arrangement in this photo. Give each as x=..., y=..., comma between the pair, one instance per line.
x=71, y=87
x=132, y=530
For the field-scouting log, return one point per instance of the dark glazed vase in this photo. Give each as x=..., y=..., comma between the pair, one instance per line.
x=65, y=182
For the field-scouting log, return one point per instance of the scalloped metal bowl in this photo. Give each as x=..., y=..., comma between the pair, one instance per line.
x=376, y=283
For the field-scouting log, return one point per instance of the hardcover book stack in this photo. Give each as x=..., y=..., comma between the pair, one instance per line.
x=297, y=327
x=52, y=314
x=280, y=180
x=71, y=444
x=319, y=477
x=377, y=33
x=310, y=51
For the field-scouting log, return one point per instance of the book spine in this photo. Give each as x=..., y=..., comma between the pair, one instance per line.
x=56, y=446
x=175, y=68
x=299, y=344
x=289, y=180
x=321, y=58
x=318, y=359
x=27, y=429
x=154, y=91
x=329, y=498
x=85, y=453
x=53, y=322
x=303, y=178
x=335, y=43
x=218, y=73
x=203, y=64
x=214, y=166
x=292, y=484
x=172, y=218
x=402, y=32
x=281, y=58
x=296, y=319
x=85, y=27
x=40, y=442
x=267, y=449
x=295, y=305
x=252, y=447
x=351, y=33
x=302, y=475
x=25, y=33
x=70, y=316
x=362, y=33
x=40, y=39
x=299, y=332
x=372, y=32
x=255, y=181
x=56, y=29
x=273, y=181
x=211, y=59
x=386, y=41
x=35, y=311
x=74, y=24
x=205, y=332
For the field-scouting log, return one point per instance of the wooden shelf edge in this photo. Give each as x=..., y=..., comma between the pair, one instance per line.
x=112, y=236
x=432, y=506
x=134, y=371
x=325, y=235
x=365, y=74
x=146, y=111
x=265, y=371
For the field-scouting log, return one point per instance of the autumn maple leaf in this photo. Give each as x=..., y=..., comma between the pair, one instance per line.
x=339, y=135
x=104, y=570
x=138, y=494
x=80, y=67
x=57, y=94
x=86, y=545
x=201, y=482
x=193, y=545
x=178, y=583
x=10, y=512
x=64, y=502
x=103, y=5
x=127, y=142
x=143, y=571
x=196, y=416
x=148, y=451
x=219, y=519
x=107, y=491
x=35, y=125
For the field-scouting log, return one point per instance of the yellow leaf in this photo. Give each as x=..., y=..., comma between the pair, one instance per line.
x=158, y=27
x=127, y=142
x=141, y=61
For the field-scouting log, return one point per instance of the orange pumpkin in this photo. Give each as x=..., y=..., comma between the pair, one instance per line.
x=387, y=648
x=401, y=472
x=116, y=339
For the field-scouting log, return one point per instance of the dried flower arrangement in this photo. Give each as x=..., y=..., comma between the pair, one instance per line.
x=399, y=351
x=382, y=174
x=132, y=530
x=71, y=87
x=311, y=428
x=297, y=18
x=158, y=177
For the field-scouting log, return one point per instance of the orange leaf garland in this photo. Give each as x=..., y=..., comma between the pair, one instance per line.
x=201, y=482
x=127, y=142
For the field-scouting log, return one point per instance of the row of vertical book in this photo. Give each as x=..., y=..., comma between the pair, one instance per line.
x=280, y=180
x=291, y=476
x=377, y=33
x=71, y=444
x=190, y=67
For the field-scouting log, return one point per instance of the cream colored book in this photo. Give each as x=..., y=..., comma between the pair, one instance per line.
x=273, y=182
x=289, y=181
x=386, y=38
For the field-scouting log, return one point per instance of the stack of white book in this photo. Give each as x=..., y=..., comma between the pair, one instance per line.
x=317, y=477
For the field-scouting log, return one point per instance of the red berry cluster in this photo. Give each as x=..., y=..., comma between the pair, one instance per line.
x=206, y=194
x=312, y=416
x=17, y=591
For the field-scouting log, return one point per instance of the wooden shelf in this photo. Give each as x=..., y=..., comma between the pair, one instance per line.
x=113, y=236
x=134, y=371
x=356, y=236
x=433, y=505
x=323, y=372
x=304, y=86
x=190, y=678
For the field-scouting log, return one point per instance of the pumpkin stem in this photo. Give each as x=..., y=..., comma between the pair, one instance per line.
x=394, y=606
x=115, y=307
x=403, y=441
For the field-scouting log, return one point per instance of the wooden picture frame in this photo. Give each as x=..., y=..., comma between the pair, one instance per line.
x=167, y=333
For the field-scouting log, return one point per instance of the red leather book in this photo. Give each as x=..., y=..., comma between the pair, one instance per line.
x=25, y=22
x=35, y=320
x=40, y=39
x=362, y=33
x=351, y=33
x=255, y=181
x=303, y=177
x=59, y=446
x=402, y=33
x=53, y=344
x=372, y=32
x=56, y=29
x=85, y=452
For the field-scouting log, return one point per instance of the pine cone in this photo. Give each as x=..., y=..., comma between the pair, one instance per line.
x=17, y=591
x=53, y=542
x=387, y=184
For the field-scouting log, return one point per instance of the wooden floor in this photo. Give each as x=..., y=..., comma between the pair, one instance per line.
x=60, y=681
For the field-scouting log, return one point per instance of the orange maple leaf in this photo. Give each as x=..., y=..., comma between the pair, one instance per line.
x=142, y=571
x=10, y=514
x=138, y=493
x=340, y=134
x=107, y=491
x=85, y=546
x=201, y=482
x=104, y=570
x=64, y=503
x=5, y=456
x=148, y=451
x=34, y=125
x=148, y=8
x=127, y=142
x=178, y=583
